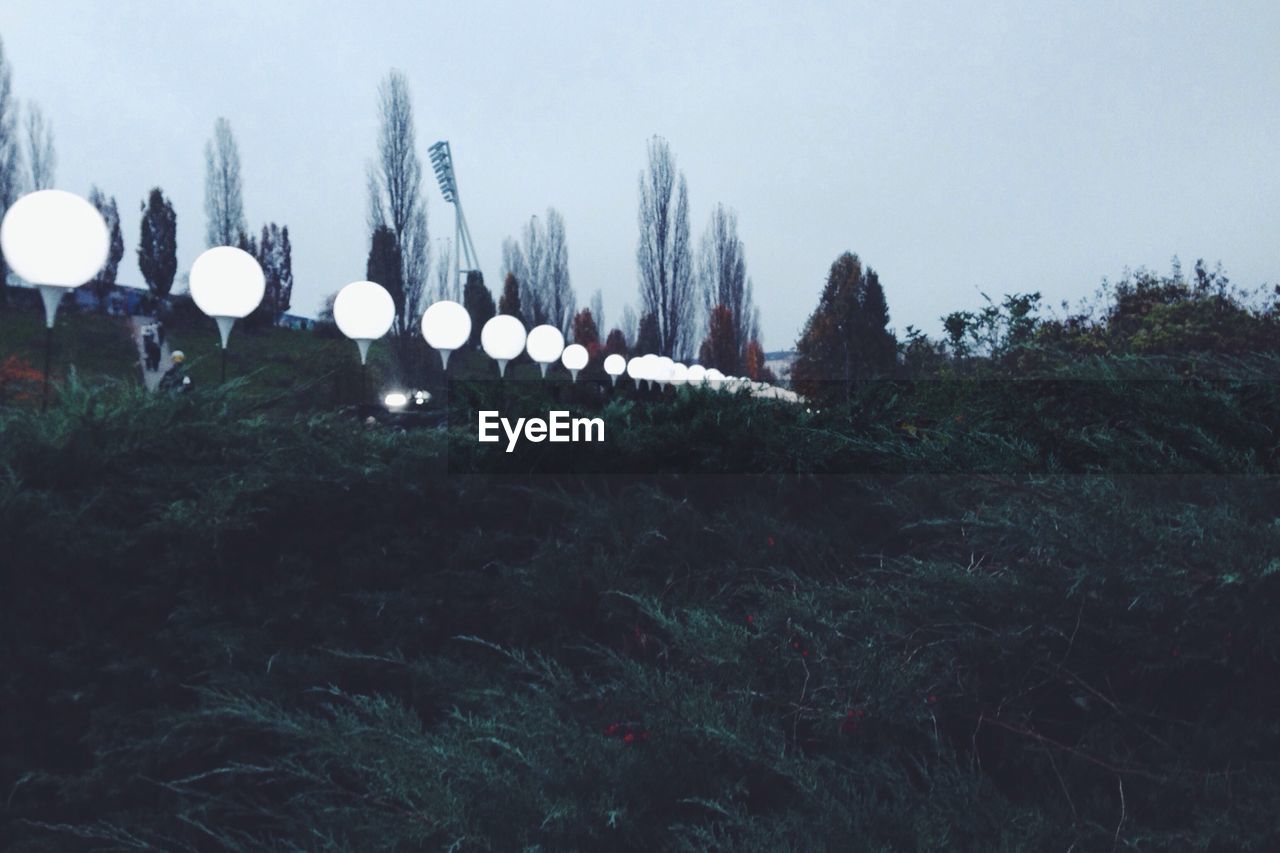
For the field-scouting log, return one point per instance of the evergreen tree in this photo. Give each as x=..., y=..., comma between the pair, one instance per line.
x=478, y=301
x=105, y=281
x=648, y=336
x=509, y=302
x=754, y=363
x=846, y=339
x=615, y=343
x=584, y=328
x=720, y=350
x=383, y=265
x=284, y=292
x=586, y=333
x=158, y=244
x=247, y=243
x=879, y=347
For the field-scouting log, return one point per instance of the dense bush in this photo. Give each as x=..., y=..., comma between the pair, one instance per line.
x=971, y=617
x=1143, y=314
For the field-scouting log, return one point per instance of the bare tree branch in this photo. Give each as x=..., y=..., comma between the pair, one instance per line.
x=663, y=255
x=395, y=196
x=223, y=191
x=41, y=156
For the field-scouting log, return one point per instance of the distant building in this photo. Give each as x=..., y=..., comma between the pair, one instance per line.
x=123, y=300
x=780, y=362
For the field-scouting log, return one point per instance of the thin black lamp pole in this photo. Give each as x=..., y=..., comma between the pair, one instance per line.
x=48, y=355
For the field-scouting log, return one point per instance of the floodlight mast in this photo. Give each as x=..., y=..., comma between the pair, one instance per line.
x=442, y=163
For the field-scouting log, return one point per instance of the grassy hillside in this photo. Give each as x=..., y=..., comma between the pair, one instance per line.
x=96, y=347
x=971, y=616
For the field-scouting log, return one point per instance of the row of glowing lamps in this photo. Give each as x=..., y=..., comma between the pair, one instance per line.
x=58, y=241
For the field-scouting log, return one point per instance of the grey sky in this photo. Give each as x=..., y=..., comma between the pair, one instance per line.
x=1002, y=147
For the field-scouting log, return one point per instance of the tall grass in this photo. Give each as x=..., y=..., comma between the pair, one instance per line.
x=1047, y=623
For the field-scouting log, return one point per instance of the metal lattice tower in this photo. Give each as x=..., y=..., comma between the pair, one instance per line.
x=442, y=163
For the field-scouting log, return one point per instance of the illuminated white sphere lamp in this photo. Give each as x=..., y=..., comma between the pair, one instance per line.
x=545, y=344
x=697, y=374
x=615, y=365
x=649, y=365
x=662, y=370
x=634, y=369
x=714, y=378
x=502, y=339
x=57, y=241
x=574, y=358
x=227, y=284
x=364, y=312
x=446, y=325
x=679, y=374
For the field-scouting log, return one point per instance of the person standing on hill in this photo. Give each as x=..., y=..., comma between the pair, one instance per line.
x=151, y=348
x=175, y=379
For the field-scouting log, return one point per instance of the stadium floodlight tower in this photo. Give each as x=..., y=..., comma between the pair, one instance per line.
x=442, y=163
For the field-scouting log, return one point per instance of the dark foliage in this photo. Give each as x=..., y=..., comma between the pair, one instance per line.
x=158, y=244
x=478, y=301
x=383, y=264
x=616, y=343
x=586, y=333
x=230, y=631
x=509, y=301
x=722, y=349
x=648, y=339
x=846, y=339
x=105, y=281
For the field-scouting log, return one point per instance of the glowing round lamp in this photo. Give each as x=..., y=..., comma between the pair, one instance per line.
x=545, y=344
x=615, y=365
x=227, y=284
x=650, y=365
x=447, y=326
x=57, y=241
x=364, y=312
x=502, y=339
x=714, y=378
x=574, y=358
x=679, y=374
x=396, y=400
x=635, y=369
x=662, y=371
x=697, y=374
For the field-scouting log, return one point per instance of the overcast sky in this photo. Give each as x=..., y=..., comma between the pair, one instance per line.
x=998, y=147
